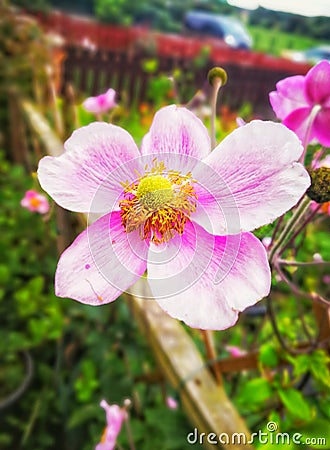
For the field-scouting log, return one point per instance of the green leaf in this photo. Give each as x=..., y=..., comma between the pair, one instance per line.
x=257, y=390
x=295, y=403
x=316, y=434
x=268, y=355
x=84, y=414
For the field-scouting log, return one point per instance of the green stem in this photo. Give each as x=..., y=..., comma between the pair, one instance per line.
x=129, y=434
x=216, y=86
x=299, y=212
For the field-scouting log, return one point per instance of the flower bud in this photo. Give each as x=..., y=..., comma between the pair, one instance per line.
x=319, y=190
x=217, y=73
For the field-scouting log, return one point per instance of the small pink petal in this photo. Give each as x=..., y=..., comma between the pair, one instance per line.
x=298, y=121
x=289, y=95
x=321, y=126
x=317, y=83
x=240, y=122
x=115, y=417
x=171, y=403
x=101, y=263
x=176, y=131
x=101, y=103
x=205, y=280
x=250, y=179
x=91, y=169
x=235, y=351
x=326, y=279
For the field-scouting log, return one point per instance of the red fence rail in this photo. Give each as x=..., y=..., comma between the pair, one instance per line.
x=76, y=30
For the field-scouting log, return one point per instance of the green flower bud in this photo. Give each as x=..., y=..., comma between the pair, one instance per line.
x=217, y=72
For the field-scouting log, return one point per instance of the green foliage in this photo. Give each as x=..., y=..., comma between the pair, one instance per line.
x=274, y=41
x=23, y=51
x=255, y=393
x=158, y=88
x=316, y=363
x=295, y=403
x=23, y=59
x=268, y=355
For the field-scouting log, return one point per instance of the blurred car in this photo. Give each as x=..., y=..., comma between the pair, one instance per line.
x=226, y=28
x=312, y=55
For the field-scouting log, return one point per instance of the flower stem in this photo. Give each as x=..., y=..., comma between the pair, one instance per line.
x=299, y=212
x=299, y=229
x=129, y=434
x=211, y=354
x=284, y=262
x=215, y=90
x=311, y=119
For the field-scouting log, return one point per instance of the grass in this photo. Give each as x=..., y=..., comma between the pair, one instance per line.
x=275, y=41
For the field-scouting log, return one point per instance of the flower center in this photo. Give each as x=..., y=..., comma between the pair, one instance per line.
x=154, y=191
x=35, y=202
x=158, y=204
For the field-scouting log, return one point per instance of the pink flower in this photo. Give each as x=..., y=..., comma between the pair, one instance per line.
x=171, y=403
x=35, y=202
x=299, y=99
x=175, y=209
x=235, y=351
x=115, y=417
x=102, y=103
x=326, y=279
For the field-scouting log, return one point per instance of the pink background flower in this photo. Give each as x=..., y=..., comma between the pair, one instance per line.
x=171, y=403
x=235, y=351
x=35, y=202
x=101, y=103
x=204, y=266
x=299, y=97
x=115, y=417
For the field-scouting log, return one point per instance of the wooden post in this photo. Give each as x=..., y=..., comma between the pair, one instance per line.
x=18, y=142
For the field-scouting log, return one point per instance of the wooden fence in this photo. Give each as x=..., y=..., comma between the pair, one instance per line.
x=99, y=56
x=92, y=72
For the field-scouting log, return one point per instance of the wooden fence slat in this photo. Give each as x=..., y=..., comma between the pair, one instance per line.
x=205, y=402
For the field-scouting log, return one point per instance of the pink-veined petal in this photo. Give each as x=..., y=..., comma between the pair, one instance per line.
x=317, y=83
x=94, y=162
x=250, y=179
x=101, y=263
x=298, y=121
x=321, y=127
x=178, y=131
x=289, y=95
x=206, y=280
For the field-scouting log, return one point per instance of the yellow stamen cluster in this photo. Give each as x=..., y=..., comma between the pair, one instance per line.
x=158, y=204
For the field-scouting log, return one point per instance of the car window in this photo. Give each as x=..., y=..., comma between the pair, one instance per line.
x=213, y=29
